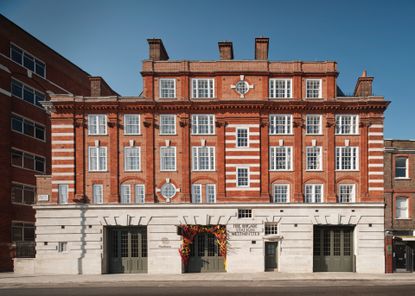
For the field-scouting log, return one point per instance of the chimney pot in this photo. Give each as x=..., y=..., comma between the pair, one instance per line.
x=225, y=50
x=157, y=52
x=261, y=48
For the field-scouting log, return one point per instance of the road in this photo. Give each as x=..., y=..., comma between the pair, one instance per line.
x=286, y=288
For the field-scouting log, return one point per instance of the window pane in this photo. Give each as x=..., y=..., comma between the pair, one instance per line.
x=28, y=95
x=16, y=54
x=17, y=89
x=17, y=193
x=63, y=193
x=131, y=124
x=167, y=124
x=28, y=61
x=40, y=68
x=400, y=167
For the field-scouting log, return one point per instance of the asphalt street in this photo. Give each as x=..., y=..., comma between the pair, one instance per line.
x=321, y=288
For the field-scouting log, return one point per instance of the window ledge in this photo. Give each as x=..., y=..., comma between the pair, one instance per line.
x=404, y=179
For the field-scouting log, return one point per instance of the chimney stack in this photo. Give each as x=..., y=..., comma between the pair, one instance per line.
x=225, y=50
x=261, y=48
x=99, y=88
x=363, y=86
x=157, y=52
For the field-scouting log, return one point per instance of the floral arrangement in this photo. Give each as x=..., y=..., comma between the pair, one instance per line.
x=189, y=232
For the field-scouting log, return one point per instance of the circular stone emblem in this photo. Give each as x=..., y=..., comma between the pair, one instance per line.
x=168, y=190
x=242, y=87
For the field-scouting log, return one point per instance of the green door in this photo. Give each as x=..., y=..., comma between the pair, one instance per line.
x=127, y=250
x=333, y=249
x=271, y=256
x=204, y=255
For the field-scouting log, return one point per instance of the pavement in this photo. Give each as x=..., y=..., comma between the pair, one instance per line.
x=8, y=280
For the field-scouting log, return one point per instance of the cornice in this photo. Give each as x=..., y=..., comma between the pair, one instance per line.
x=239, y=106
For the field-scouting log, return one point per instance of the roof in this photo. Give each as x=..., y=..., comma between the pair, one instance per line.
x=37, y=40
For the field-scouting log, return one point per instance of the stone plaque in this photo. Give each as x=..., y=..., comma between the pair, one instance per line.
x=245, y=230
x=43, y=197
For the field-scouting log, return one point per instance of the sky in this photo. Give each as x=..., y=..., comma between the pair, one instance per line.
x=108, y=38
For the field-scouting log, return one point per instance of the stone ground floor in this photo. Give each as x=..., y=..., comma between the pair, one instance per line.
x=231, y=238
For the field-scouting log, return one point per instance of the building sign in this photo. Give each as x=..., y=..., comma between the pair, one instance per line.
x=245, y=230
x=43, y=197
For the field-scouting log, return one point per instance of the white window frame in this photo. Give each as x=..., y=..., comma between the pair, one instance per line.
x=196, y=125
x=313, y=193
x=288, y=158
x=248, y=177
x=98, y=199
x=162, y=163
x=126, y=159
x=63, y=195
x=195, y=88
x=288, y=91
x=137, y=198
x=406, y=167
x=237, y=137
x=161, y=125
x=354, y=165
x=309, y=149
x=211, y=154
x=287, y=125
x=320, y=90
x=126, y=132
x=353, y=193
x=400, y=209
x=197, y=196
x=97, y=156
x=122, y=193
x=97, y=125
x=341, y=125
x=274, y=188
x=320, y=118
x=161, y=90
x=212, y=187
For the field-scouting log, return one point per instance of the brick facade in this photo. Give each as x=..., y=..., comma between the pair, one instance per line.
x=70, y=139
x=239, y=158
x=60, y=76
x=401, y=229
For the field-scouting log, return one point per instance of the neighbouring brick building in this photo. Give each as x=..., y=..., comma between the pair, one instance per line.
x=226, y=165
x=28, y=71
x=400, y=205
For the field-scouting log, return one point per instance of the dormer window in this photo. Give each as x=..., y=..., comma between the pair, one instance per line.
x=280, y=88
x=202, y=88
x=314, y=89
x=167, y=88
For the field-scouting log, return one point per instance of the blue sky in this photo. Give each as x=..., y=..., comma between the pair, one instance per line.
x=108, y=38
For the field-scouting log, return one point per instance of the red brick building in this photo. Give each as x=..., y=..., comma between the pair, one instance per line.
x=400, y=206
x=29, y=69
x=272, y=153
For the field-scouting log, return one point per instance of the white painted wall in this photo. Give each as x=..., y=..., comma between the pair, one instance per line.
x=87, y=224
